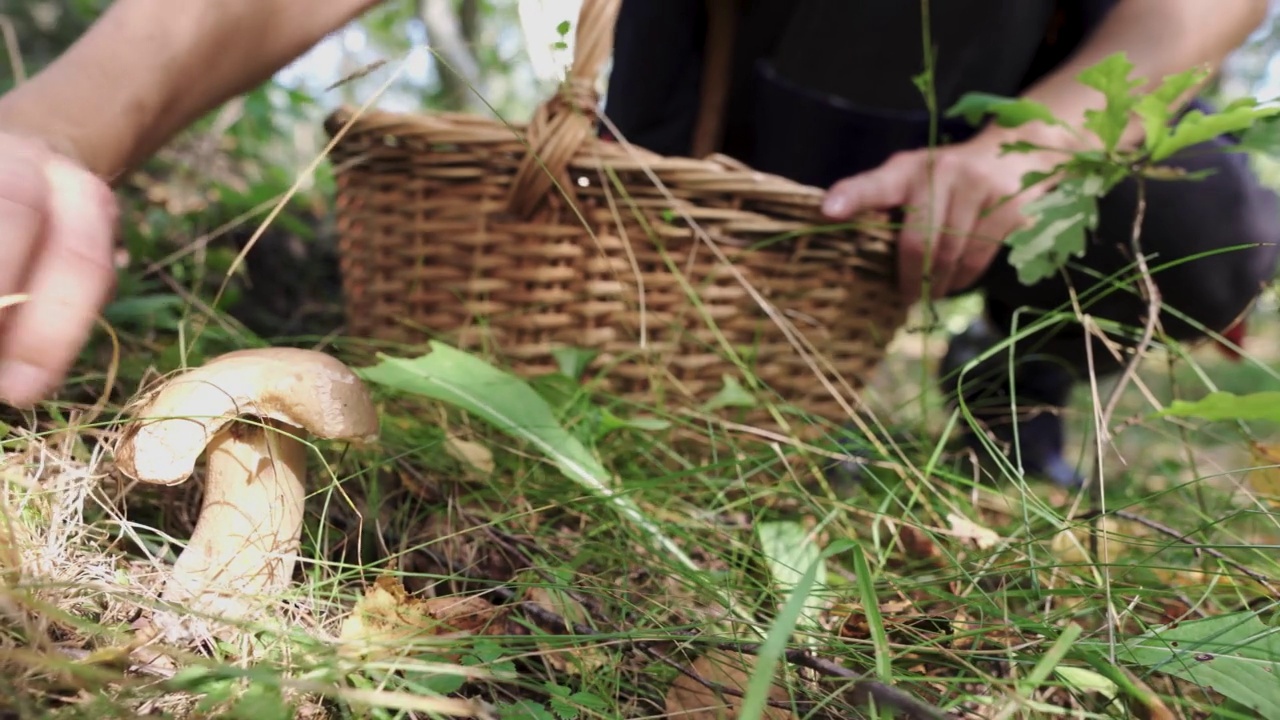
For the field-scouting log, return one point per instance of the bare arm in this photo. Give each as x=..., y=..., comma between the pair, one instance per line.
x=1160, y=38
x=148, y=68
x=145, y=71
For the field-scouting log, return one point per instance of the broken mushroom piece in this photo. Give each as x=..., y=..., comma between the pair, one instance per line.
x=249, y=412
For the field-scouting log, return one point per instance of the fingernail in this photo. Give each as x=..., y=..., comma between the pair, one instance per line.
x=21, y=384
x=834, y=206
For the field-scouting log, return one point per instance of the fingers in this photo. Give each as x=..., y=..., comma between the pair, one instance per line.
x=945, y=194
x=943, y=211
x=884, y=187
x=23, y=191
x=956, y=247
x=926, y=210
x=68, y=282
x=1003, y=219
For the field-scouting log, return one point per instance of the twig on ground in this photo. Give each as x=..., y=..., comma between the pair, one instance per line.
x=1189, y=542
x=865, y=691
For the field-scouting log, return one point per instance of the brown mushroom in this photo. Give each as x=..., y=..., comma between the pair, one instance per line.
x=247, y=535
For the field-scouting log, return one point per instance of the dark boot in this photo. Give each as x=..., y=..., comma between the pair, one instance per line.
x=1043, y=388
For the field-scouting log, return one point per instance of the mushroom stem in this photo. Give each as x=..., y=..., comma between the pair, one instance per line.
x=246, y=538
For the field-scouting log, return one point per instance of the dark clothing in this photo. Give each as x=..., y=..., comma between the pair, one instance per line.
x=823, y=89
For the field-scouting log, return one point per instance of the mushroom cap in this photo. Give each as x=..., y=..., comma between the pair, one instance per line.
x=304, y=388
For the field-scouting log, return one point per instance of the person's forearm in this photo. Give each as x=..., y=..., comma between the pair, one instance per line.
x=1160, y=38
x=148, y=68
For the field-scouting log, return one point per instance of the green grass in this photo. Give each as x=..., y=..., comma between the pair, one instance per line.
x=982, y=596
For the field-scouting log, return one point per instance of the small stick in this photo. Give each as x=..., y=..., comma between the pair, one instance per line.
x=864, y=689
x=1186, y=540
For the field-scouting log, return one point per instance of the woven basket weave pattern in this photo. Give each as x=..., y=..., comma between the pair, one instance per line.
x=450, y=228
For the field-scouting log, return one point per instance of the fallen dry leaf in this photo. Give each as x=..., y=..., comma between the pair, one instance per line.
x=387, y=618
x=691, y=700
x=907, y=622
x=1075, y=545
x=963, y=528
x=917, y=544
x=1265, y=479
x=469, y=453
x=560, y=655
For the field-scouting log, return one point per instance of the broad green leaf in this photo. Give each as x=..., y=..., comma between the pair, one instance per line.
x=1237, y=655
x=1061, y=221
x=1158, y=107
x=1222, y=405
x=1110, y=77
x=1196, y=127
x=511, y=405
x=1007, y=112
x=1262, y=137
x=789, y=550
x=756, y=698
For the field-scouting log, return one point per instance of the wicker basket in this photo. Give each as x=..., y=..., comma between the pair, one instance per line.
x=519, y=240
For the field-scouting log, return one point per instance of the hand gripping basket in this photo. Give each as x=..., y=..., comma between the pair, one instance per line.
x=517, y=240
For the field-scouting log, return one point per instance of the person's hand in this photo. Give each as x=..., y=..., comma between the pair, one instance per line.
x=57, y=224
x=960, y=203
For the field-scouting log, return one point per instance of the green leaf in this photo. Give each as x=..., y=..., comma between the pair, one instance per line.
x=572, y=362
x=563, y=28
x=789, y=551
x=1061, y=221
x=508, y=403
x=731, y=395
x=1035, y=177
x=1196, y=127
x=1222, y=405
x=1110, y=76
x=1262, y=137
x=1007, y=112
x=563, y=710
x=756, y=698
x=590, y=701
x=524, y=710
x=1237, y=655
x=1157, y=108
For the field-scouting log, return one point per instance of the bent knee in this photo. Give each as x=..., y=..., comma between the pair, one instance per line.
x=1217, y=242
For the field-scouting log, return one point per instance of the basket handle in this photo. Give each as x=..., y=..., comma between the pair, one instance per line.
x=717, y=68
x=566, y=120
